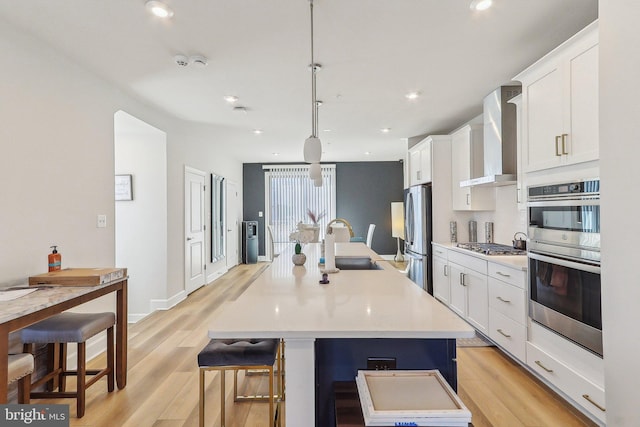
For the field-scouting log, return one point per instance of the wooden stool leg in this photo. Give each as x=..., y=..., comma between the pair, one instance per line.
x=110, y=360
x=53, y=364
x=24, y=389
x=81, y=388
x=62, y=365
x=222, y=400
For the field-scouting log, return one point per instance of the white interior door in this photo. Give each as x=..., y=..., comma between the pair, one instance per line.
x=233, y=222
x=194, y=221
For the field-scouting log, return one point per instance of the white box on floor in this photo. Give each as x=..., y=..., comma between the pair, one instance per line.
x=409, y=398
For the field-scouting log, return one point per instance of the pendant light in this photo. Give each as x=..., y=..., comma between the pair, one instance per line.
x=312, y=145
x=315, y=171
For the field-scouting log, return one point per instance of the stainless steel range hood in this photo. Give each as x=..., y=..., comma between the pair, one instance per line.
x=500, y=139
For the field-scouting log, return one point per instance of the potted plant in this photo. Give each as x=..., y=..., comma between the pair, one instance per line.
x=300, y=236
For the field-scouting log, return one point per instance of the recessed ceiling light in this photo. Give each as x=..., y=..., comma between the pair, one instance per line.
x=276, y=154
x=367, y=153
x=159, y=9
x=412, y=95
x=257, y=131
x=231, y=99
x=326, y=130
x=480, y=5
x=385, y=130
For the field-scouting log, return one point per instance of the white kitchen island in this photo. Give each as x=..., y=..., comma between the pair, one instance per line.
x=288, y=302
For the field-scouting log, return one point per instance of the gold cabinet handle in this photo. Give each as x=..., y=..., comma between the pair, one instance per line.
x=564, y=143
x=539, y=363
x=503, y=274
x=588, y=398
x=558, y=145
x=504, y=334
x=503, y=300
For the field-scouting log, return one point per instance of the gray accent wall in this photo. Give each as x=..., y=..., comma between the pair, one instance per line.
x=364, y=192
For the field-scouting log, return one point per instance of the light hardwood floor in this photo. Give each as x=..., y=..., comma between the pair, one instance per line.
x=162, y=387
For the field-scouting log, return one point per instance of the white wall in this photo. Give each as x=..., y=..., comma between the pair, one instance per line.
x=620, y=173
x=141, y=224
x=57, y=163
x=507, y=219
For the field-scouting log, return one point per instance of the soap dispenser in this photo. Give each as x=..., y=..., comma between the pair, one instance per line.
x=55, y=259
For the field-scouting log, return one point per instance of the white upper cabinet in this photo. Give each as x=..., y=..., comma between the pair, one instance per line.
x=560, y=105
x=420, y=163
x=466, y=163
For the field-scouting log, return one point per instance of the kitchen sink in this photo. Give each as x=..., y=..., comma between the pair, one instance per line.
x=356, y=263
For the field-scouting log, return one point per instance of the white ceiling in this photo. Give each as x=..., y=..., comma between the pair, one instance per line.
x=372, y=52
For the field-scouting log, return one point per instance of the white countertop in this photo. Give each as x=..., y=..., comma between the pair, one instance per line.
x=286, y=301
x=514, y=261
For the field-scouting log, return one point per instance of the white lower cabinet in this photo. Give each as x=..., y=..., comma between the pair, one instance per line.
x=508, y=334
x=507, y=309
x=581, y=390
x=441, y=286
x=469, y=293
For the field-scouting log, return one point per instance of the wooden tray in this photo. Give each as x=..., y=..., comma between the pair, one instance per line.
x=79, y=277
x=409, y=398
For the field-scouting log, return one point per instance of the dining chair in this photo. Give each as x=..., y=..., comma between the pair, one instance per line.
x=372, y=227
x=273, y=253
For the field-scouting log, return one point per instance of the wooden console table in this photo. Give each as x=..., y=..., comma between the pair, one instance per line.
x=48, y=301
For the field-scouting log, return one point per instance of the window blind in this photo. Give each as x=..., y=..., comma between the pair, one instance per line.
x=289, y=193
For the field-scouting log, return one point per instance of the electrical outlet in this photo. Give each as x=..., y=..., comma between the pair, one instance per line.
x=102, y=221
x=381, y=363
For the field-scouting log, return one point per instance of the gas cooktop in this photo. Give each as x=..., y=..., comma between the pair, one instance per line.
x=491, y=248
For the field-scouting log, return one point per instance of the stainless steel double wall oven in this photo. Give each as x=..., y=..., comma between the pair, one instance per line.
x=564, y=260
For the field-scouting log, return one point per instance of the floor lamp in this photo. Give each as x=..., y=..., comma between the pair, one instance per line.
x=397, y=226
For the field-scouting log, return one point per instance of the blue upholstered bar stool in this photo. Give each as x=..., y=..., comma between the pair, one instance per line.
x=222, y=355
x=57, y=331
x=20, y=369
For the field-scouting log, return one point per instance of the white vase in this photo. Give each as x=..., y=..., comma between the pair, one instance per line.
x=299, y=259
x=313, y=227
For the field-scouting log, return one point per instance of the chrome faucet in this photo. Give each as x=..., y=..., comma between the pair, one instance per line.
x=343, y=221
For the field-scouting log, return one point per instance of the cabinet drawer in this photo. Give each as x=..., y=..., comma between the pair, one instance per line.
x=439, y=251
x=586, y=394
x=508, y=300
x=468, y=261
x=516, y=277
x=508, y=334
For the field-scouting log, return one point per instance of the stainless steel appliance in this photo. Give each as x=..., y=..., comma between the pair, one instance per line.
x=417, y=232
x=499, y=138
x=491, y=248
x=564, y=260
x=249, y=242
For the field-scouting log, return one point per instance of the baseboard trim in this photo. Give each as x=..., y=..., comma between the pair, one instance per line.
x=166, y=304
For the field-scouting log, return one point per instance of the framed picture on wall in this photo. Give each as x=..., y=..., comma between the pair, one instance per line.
x=124, y=189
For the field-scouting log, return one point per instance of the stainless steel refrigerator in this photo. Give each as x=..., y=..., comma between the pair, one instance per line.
x=417, y=232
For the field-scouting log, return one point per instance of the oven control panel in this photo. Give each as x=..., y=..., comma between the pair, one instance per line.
x=579, y=188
